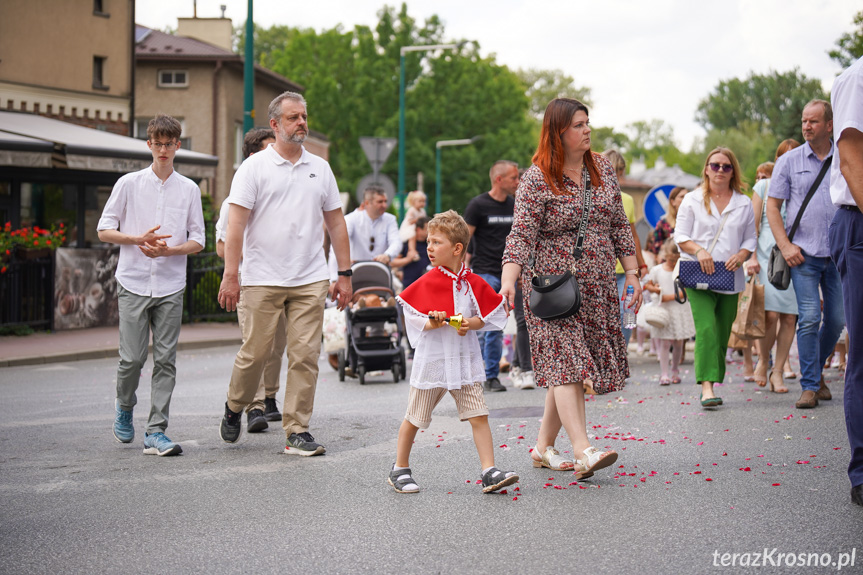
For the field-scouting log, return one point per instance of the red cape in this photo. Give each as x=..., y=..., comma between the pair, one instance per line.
x=433, y=291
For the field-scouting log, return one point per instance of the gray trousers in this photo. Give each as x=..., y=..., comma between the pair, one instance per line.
x=138, y=316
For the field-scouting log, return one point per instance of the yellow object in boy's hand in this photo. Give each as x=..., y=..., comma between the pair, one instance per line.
x=455, y=321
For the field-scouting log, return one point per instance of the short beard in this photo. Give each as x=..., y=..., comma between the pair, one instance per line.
x=296, y=138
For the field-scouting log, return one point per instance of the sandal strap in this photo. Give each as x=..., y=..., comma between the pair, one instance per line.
x=553, y=458
x=402, y=477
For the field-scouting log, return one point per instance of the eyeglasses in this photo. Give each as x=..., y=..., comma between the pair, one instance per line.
x=724, y=167
x=372, y=244
x=160, y=145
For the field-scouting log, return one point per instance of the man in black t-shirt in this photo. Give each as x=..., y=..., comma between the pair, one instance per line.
x=489, y=218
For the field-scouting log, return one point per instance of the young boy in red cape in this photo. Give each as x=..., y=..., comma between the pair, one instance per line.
x=447, y=356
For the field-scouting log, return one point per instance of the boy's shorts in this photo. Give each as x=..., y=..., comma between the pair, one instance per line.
x=469, y=400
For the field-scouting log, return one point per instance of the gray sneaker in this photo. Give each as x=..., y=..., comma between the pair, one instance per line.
x=124, y=431
x=303, y=444
x=159, y=444
x=493, y=384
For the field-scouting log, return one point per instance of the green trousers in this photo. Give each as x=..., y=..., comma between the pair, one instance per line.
x=713, y=314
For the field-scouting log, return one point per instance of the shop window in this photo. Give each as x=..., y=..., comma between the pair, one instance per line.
x=173, y=79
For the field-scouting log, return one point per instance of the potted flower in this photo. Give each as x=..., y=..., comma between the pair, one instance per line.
x=31, y=242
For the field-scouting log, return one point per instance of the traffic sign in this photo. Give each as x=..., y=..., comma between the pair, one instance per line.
x=377, y=150
x=656, y=203
x=382, y=180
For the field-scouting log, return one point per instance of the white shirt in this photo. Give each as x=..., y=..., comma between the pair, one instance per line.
x=695, y=224
x=222, y=222
x=443, y=358
x=847, y=100
x=284, y=238
x=369, y=238
x=141, y=201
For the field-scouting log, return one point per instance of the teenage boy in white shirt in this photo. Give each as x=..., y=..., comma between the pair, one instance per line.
x=155, y=216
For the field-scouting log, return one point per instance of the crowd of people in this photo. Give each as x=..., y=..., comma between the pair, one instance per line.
x=458, y=277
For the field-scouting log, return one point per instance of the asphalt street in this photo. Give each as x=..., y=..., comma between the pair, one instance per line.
x=691, y=484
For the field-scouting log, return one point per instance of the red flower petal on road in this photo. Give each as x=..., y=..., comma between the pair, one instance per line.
x=776, y=484
x=707, y=479
x=515, y=498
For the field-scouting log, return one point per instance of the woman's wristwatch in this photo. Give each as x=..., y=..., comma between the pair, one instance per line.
x=632, y=272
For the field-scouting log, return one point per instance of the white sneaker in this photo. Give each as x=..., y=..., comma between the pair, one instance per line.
x=527, y=381
x=515, y=375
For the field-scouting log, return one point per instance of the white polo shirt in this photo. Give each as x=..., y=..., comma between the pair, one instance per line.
x=694, y=223
x=284, y=238
x=140, y=201
x=847, y=97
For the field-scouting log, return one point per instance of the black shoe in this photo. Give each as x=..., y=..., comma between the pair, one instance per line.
x=232, y=425
x=493, y=384
x=857, y=495
x=255, y=422
x=303, y=444
x=271, y=412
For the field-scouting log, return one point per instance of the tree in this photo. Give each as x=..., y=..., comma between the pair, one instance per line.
x=351, y=80
x=849, y=47
x=773, y=102
x=543, y=86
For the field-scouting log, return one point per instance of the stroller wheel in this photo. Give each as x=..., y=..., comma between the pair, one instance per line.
x=361, y=373
x=403, y=363
x=396, y=372
x=341, y=355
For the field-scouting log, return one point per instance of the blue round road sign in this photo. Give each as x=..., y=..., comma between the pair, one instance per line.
x=656, y=203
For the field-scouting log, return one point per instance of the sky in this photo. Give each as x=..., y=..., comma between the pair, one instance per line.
x=642, y=59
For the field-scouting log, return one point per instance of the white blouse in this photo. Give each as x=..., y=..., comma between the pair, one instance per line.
x=695, y=224
x=442, y=357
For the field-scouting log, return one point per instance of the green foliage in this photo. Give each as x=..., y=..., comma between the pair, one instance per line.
x=210, y=217
x=849, y=47
x=772, y=102
x=351, y=81
x=543, y=86
x=206, y=294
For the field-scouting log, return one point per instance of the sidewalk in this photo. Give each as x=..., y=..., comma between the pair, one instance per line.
x=102, y=342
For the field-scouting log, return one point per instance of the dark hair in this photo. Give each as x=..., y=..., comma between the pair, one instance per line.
x=373, y=190
x=422, y=222
x=549, y=154
x=253, y=141
x=165, y=126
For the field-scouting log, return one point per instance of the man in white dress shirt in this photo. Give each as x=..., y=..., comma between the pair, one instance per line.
x=155, y=216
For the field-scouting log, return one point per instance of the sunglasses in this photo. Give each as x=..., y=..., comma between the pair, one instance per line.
x=372, y=244
x=724, y=167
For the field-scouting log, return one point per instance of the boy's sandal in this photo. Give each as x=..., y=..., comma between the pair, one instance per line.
x=495, y=479
x=400, y=479
x=594, y=459
x=552, y=459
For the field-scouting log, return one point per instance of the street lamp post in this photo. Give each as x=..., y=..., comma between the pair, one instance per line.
x=404, y=50
x=437, y=184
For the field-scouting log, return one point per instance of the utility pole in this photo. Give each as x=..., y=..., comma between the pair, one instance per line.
x=249, y=74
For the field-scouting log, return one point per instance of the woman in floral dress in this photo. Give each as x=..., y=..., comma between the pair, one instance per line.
x=665, y=225
x=586, y=349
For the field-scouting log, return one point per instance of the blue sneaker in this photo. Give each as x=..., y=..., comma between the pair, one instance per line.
x=159, y=444
x=124, y=431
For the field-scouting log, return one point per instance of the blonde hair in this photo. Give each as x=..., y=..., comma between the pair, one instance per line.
x=736, y=183
x=617, y=161
x=669, y=247
x=452, y=225
x=414, y=195
x=766, y=168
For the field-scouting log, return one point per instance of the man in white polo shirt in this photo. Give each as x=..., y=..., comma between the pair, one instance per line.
x=155, y=216
x=280, y=199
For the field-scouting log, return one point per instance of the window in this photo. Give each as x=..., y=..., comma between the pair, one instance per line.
x=99, y=73
x=173, y=79
x=99, y=8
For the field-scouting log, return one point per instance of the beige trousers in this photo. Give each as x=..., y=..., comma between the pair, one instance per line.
x=303, y=308
x=269, y=384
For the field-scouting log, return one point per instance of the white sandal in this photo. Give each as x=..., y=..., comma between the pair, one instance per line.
x=594, y=459
x=551, y=459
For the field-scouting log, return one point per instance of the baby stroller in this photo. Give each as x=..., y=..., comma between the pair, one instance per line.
x=367, y=345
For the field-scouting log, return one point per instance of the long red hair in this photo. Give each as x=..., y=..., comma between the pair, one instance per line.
x=549, y=156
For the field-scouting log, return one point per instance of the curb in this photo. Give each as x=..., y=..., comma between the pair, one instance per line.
x=109, y=352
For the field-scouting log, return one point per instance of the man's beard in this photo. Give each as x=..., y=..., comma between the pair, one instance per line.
x=297, y=137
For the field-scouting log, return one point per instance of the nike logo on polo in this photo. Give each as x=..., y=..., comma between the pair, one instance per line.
x=312, y=176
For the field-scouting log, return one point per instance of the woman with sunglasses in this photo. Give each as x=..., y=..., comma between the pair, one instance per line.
x=585, y=350
x=717, y=209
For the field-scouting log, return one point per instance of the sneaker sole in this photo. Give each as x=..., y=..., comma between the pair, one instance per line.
x=390, y=481
x=124, y=440
x=275, y=416
x=295, y=451
x=176, y=450
x=239, y=435
x=501, y=484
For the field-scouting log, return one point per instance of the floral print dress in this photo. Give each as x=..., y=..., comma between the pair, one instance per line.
x=588, y=345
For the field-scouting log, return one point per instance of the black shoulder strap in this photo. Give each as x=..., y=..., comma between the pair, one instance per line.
x=824, y=167
x=587, y=204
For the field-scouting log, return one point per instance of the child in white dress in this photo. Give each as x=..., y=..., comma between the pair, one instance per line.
x=448, y=359
x=680, y=326
x=416, y=210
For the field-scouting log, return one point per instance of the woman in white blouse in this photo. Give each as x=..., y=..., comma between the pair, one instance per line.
x=698, y=221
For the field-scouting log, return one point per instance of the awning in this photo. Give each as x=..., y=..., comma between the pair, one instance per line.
x=31, y=141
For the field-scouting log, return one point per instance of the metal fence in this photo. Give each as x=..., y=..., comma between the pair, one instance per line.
x=27, y=293
x=203, y=278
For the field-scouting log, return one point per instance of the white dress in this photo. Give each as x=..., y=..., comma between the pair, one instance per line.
x=442, y=357
x=680, y=324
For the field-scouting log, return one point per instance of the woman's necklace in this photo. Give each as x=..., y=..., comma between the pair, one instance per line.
x=574, y=169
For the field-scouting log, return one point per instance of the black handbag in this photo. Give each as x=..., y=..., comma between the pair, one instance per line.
x=557, y=296
x=778, y=270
